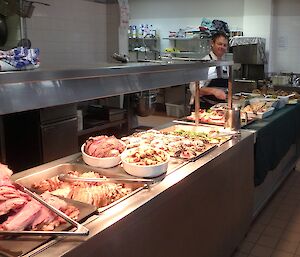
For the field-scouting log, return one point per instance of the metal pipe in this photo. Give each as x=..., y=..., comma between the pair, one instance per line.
x=230, y=84
x=197, y=103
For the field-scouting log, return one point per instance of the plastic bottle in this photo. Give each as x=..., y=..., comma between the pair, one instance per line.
x=134, y=34
x=141, y=31
x=151, y=31
x=146, y=31
x=130, y=31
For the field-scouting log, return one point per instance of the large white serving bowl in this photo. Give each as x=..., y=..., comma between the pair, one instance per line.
x=148, y=171
x=106, y=162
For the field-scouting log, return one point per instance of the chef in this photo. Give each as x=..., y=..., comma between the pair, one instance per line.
x=212, y=91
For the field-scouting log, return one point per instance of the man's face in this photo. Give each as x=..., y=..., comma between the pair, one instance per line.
x=219, y=47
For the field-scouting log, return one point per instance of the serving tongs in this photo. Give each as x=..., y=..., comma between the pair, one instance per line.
x=71, y=178
x=80, y=229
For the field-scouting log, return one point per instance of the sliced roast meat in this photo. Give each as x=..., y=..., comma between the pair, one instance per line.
x=23, y=218
x=103, y=146
x=8, y=192
x=43, y=216
x=11, y=204
x=5, y=172
x=54, y=201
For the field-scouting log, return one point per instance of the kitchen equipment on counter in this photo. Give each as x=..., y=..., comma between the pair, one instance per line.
x=48, y=134
x=121, y=58
x=280, y=80
x=106, y=113
x=24, y=42
x=250, y=53
x=233, y=119
x=145, y=103
x=244, y=85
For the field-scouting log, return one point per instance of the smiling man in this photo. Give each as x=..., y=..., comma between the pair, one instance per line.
x=212, y=90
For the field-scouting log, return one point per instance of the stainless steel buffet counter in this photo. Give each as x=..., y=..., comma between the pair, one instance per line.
x=28, y=90
x=201, y=209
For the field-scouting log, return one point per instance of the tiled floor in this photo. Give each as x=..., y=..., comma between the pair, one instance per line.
x=276, y=231
x=154, y=120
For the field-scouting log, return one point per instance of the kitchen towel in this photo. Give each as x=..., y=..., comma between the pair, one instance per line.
x=20, y=58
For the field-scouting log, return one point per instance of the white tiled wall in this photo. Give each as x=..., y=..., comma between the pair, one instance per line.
x=286, y=36
x=278, y=21
x=171, y=15
x=69, y=32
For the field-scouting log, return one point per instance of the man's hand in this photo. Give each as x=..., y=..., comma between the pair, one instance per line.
x=219, y=93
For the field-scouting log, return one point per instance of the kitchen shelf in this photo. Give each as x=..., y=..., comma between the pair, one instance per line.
x=140, y=38
x=150, y=43
x=186, y=39
x=183, y=53
x=149, y=51
x=189, y=46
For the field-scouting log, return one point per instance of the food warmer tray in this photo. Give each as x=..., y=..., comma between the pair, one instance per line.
x=187, y=121
x=20, y=245
x=202, y=128
x=80, y=167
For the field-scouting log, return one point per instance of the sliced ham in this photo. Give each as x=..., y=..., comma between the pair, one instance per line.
x=5, y=172
x=8, y=192
x=43, y=216
x=54, y=201
x=23, y=218
x=11, y=204
x=26, y=213
x=11, y=198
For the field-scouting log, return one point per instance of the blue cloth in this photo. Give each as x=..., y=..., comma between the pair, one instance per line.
x=207, y=23
x=21, y=57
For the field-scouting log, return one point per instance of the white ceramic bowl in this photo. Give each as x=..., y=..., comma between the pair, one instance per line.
x=106, y=162
x=148, y=171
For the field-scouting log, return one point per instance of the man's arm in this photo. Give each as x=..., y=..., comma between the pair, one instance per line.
x=218, y=93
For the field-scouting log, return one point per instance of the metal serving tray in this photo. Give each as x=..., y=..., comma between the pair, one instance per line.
x=28, y=181
x=192, y=122
x=20, y=245
x=79, y=166
x=200, y=128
